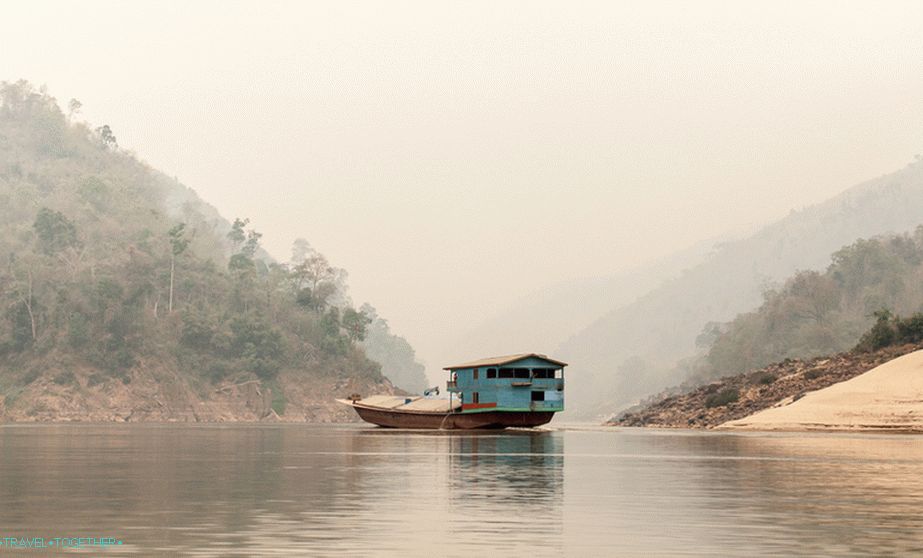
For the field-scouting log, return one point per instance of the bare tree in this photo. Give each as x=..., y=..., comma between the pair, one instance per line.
x=28, y=300
x=178, y=245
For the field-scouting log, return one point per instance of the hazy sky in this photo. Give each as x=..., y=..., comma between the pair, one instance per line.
x=454, y=156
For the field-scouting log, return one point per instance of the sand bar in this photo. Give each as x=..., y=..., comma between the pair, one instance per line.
x=886, y=398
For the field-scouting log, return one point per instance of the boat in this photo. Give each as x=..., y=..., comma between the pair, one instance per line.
x=523, y=390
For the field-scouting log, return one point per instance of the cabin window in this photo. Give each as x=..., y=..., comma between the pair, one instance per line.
x=538, y=396
x=559, y=373
x=491, y=372
x=506, y=373
x=542, y=373
x=475, y=373
x=522, y=373
x=475, y=399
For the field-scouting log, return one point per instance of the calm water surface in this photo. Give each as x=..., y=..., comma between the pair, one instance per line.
x=353, y=490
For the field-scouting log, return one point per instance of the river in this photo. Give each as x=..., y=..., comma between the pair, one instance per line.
x=351, y=490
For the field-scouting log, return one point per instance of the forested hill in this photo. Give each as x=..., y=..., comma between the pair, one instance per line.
x=124, y=297
x=818, y=313
x=642, y=347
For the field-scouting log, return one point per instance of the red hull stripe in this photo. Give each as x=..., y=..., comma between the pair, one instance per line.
x=478, y=406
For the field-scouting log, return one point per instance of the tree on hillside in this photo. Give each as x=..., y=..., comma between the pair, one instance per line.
x=242, y=263
x=54, y=231
x=245, y=244
x=355, y=324
x=178, y=245
x=817, y=313
x=73, y=108
x=813, y=296
x=238, y=234
x=106, y=137
x=315, y=280
x=88, y=234
x=25, y=312
x=301, y=249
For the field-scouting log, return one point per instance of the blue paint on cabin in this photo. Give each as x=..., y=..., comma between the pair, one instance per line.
x=526, y=382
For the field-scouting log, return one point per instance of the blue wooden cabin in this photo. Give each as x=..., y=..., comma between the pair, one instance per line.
x=522, y=382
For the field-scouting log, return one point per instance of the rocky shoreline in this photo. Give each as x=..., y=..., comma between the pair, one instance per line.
x=736, y=397
x=157, y=394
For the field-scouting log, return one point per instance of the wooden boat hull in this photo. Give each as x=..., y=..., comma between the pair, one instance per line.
x=391, y=418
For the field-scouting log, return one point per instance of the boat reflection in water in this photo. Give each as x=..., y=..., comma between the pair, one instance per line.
x=510, y=483
x=518, y=464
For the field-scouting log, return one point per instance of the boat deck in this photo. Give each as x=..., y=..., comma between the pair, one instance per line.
x=420, y=412
x=407, y=403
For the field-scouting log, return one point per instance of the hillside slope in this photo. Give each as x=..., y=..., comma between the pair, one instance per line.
x=124, y=297
x=743, y=395
x=639, y=348
x=816, y=313
x=886, y=398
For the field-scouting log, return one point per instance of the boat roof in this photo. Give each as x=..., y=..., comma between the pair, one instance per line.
x=501, y=360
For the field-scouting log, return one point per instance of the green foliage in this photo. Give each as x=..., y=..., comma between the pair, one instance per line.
x=54, y=231
x=108, y=294
x=106, y=137
x=95, y=193
x=304, y=298
x=237, y=234
x=178, y=240
x=78, y=330
x=96, y=379
x=30, y=377
x=355, y=323
x=87, y=285
x=891, y=330
x=330, y=323
x=241, y=265
x=882, y=333
x=198, y=331
x=766, y=379
x=320, y=296
x=217, y=370
x=21, y=326
x=65, y=378
x=278, y=397
x=815, y=313
x=259, y=345
x=722, y=398
x=910, y=330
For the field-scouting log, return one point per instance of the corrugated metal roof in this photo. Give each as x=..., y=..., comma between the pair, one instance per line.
x=501, y=360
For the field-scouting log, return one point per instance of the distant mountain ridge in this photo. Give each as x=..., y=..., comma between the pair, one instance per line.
x=544, y=319
x=637, y=349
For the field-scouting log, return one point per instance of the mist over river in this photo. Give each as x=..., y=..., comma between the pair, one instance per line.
x=242, y=490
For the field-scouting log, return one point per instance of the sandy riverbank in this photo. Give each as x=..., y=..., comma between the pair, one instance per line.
x=886, y=398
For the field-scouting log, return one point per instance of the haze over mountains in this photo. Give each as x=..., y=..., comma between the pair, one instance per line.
x=637, y=347
x=547, y=317
x=126, y=297
x=439, y=152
